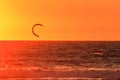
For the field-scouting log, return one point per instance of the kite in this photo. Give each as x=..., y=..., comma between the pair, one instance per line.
x=36, y=25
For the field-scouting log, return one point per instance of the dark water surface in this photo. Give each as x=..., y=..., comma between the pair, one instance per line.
x=73, y=60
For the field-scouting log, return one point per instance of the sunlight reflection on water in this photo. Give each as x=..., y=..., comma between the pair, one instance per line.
x=37, y=56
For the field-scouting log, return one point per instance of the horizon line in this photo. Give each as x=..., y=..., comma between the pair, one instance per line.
x=60, y=40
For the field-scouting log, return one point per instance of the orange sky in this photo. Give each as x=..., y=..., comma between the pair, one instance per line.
x=62, y=19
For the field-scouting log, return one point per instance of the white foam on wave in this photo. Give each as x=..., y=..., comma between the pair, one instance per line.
x=58, y=68
x=51, y=78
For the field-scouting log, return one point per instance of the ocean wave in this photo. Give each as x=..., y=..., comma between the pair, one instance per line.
x=58, y=68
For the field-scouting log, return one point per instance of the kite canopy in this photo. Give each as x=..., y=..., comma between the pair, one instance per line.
x=34, y=27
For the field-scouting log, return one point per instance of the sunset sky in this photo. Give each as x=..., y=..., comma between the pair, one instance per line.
x=62, y=19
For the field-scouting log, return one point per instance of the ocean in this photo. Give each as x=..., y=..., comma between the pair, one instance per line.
x=60, y=60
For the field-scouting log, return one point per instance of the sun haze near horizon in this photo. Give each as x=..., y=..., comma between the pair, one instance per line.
x=62, y=19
